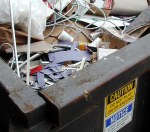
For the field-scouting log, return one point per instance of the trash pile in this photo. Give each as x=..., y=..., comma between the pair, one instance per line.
x=44, y=41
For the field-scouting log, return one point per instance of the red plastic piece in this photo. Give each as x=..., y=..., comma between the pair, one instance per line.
x=36, y=69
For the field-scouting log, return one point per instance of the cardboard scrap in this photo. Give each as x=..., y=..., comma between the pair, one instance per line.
x=107, y=8
x=36, y=47
x=21, y=37
x=72, y=31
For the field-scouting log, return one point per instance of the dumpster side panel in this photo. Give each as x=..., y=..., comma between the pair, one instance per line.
x=77, y=103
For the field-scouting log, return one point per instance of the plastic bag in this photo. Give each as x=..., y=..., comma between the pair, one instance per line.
x=39, y=11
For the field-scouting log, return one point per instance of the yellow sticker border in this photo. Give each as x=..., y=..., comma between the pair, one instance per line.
x=132, y=91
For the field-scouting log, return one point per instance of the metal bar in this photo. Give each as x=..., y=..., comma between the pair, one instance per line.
x=14, y=37
x=29, y=43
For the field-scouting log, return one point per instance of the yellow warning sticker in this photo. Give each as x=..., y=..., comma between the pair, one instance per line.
x=120, y=98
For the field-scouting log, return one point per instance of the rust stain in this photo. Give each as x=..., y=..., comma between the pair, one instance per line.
x=87, y=96
x=28, y=107
x=83, y=81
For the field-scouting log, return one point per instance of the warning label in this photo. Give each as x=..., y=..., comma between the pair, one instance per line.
x=119, y=107
x=120, y=119
x=120, y=98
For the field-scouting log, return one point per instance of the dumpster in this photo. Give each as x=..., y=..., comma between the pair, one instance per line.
x=108, y=96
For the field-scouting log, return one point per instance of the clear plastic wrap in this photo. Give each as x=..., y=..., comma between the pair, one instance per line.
x=40, y=12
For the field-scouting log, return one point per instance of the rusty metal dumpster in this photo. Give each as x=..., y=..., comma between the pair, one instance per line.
x=110, y=95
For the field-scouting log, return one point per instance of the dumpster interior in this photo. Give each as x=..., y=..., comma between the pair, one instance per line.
x=48, y=41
